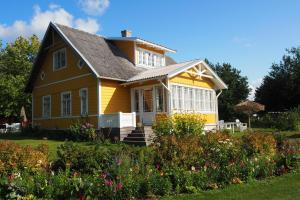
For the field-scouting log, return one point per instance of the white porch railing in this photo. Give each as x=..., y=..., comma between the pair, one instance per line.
x=118, y=120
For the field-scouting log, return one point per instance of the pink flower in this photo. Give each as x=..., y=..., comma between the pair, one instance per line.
x=108, y=183
x=104, y=175
x=119, y=162
x=119, y=186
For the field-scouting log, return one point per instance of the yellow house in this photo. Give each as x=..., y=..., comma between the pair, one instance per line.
x=115, y=81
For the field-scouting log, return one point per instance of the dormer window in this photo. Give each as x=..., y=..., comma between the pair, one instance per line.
x=147, y=58
x=59, y=59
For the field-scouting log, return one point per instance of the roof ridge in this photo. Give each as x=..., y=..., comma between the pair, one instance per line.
x=79, y=30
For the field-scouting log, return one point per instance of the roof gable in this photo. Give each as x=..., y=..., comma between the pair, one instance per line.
x=103, y=58
x=175, y=69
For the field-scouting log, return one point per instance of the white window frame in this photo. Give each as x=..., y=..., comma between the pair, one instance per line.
x=207, y=100
x=81, y=102
x=43, y=108
x=53, y=59
x=61, y=104
x=144, y=55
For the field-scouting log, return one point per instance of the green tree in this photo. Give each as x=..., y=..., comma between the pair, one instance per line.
x=280, y=89
x=16, y=61
x=238, y=90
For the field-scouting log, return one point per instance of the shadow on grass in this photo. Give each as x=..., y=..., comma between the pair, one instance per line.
x=294, y=136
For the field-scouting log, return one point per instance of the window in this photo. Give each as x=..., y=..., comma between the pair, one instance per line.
x=80, y=63
x=190, y=99
x=46, y=106
x=136, y=101
x=83, y=93
x=149, y=59
x=66, y=104
x=59, y=59
x=159, y=99
x=148, y=100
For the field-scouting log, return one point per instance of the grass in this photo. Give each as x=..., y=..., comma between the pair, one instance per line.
x=281, y=188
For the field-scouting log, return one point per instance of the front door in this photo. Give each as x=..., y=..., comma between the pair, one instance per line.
x=147, y=111
x=147, y=101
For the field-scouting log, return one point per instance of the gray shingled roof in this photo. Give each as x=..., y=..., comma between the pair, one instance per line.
x=107, y=59
x=162, y=71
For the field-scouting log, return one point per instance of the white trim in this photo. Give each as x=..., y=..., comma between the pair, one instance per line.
x=99, y=101
x=142, y=41
x=139, y=49
x=43, y=109
x=61, y=104
x=176, y=72
x=66, y=117
x=191, y=86
x=77, y=51
x=87, y=101
x=64, y=80
x=53, y=59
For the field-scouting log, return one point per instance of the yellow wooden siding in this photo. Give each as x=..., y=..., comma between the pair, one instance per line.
x=127, y=47
x=71, y=69
x=62, y=123
x=191, y=80
x=114, y=97
x=55, y=90
x=150, y=48
x=72, y=79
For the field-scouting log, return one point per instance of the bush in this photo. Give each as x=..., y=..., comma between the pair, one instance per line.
x=15, y=157
x=182, y=152
x=259, y=143
x=179, y=125
x=83, y=131
x=283, y=121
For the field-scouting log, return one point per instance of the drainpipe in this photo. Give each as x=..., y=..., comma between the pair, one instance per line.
x=217, y=110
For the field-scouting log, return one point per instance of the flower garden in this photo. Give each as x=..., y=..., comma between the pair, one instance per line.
x=181, y=160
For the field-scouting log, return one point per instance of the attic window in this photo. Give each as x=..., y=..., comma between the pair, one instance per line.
x=59, y=59
x=80, y=63
x=42, y=75
x=149, y=58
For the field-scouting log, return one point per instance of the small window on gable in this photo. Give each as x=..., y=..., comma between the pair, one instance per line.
x=42, y=75
x=59, y=59
x=80, y=63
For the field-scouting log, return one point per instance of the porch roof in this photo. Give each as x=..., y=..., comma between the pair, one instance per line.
x=175, y=69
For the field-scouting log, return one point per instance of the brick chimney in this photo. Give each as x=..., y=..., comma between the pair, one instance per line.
x=126, y=33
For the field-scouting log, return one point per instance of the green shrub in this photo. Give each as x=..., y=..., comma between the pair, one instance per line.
x=83, y=131
x=179, y=125
x=160, y=184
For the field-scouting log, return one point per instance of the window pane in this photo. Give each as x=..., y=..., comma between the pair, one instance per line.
x=136, y=101
x=84, y=103
x=148, y=100
x=159, y=99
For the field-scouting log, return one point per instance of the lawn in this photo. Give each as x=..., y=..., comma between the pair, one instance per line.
x=284, y=187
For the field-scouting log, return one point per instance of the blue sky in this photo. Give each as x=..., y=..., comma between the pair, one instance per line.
x=250, y=35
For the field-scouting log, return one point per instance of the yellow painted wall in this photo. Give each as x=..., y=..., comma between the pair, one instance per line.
x=190, y=80
x=47, y=86
x=127, y=47
x=114, y=97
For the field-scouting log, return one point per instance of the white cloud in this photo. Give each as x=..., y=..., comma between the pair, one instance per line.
x=40, y=20
x=255, y=84
x=242, y=41
x=94, y=7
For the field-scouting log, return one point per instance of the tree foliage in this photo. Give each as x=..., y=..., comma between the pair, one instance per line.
x=238, y=90
x=280, y=89
x=16, y=61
